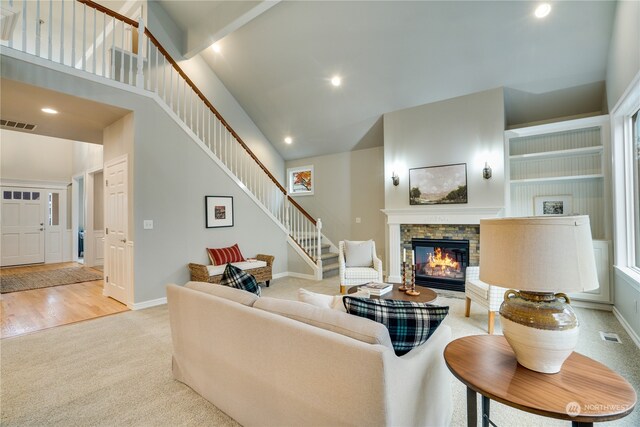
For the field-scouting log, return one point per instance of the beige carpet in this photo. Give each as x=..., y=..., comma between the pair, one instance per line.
x=44, y=279
x=116, y=370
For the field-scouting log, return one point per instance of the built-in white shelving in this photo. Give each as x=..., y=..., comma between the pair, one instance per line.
x=565, y=159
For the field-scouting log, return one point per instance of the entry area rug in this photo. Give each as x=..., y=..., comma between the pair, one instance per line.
x=45, y=279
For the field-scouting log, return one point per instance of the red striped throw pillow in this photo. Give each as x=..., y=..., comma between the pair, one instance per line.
x=222, y=256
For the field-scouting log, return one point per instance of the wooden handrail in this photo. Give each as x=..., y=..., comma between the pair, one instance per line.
x=212, y=108
x=204, y=99
x=109, y=12
x=301, y=209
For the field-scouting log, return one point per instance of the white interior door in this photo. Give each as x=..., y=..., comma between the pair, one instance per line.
x=22, y=226
x=117, y=281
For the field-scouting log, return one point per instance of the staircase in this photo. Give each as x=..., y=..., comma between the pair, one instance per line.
x=101, y=42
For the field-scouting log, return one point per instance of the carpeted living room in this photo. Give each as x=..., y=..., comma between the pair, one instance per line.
x=116, y=370
x=319, y=213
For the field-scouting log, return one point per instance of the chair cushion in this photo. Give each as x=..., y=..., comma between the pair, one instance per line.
x=477, y=287
x=358, y=254
x=222, y=256
x=238, y=295
x=332, y=320
x=239, y=279
x=360, y=273
x=410, y=324
x=214, y=270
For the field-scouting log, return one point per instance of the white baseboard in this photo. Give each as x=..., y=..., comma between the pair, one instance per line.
x=280, y=275
x=148, y=304
x=592, y=305
x=296, y=275
x=627, y=327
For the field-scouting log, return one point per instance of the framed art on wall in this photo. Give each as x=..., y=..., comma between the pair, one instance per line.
x=552, y=205
x=437, y=185
x=218, y=211
x=300, y=181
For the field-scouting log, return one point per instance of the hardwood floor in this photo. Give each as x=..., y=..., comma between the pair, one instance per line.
x=33, y=310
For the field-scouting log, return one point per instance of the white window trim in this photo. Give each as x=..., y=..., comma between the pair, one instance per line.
x=622, y=140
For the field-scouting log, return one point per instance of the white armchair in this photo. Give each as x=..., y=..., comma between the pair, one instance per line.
x=488, y=296
x=359, y=263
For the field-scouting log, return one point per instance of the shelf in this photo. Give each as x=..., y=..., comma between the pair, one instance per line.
x=559, y=153
x=556, y=178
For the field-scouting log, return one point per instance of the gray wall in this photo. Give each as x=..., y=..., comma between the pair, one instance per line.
x=171, y=176
x=98, y=201
x=348, y=186
x=624, y=50
x=468, y=129
x=623, y=66
x=26, y=156
x=166, y=31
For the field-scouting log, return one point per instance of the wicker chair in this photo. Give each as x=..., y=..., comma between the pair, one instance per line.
x=199, y=272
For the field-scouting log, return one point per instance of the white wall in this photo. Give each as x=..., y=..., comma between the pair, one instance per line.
x=167, y=33
x=86, y=157
x=624, y=50
x=468, y=129
x=26, y=156
x=348, y=186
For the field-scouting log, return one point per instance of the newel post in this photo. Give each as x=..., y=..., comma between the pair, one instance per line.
x=140, y=56
x=319, y=249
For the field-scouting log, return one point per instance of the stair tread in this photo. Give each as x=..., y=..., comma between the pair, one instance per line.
x=329, y=255
x=330, y=267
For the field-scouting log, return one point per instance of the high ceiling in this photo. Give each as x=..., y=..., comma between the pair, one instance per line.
x=394, y=54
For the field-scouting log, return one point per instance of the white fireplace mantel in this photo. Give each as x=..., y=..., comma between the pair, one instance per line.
x=428, y=215
x=441, y=215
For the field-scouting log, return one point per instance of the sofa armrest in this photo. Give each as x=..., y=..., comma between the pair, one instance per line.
x=377, y=263
x=199, y=272
x=266, y=258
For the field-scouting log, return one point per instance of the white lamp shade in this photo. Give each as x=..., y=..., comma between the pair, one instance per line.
x=538, y=254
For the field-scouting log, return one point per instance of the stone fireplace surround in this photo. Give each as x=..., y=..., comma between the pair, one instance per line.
x=433, y=222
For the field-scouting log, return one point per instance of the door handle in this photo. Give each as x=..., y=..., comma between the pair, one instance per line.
x=123, y=240
x=42, y=229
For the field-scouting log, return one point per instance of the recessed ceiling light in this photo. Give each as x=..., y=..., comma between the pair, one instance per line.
x=336, y=81
x=543, y=10
x=216, y=47
x=49, y=111
x=288, y=140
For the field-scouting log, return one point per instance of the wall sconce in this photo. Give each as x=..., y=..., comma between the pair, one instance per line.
x=486, y=172
x=395, y=179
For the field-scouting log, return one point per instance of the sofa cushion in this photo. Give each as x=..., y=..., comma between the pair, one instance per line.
x=222, y=256
x=238, y=295
x=215, y=270
x=332, y=320
x=237, y=278
x=358, y=254
x=410, y=323
x=328, y=301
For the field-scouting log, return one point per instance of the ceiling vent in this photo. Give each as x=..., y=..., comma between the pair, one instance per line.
x=17, y=125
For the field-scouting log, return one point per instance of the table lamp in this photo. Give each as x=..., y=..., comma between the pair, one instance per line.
x=542, y=258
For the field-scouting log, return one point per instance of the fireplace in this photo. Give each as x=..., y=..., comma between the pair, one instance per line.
x=441, y=263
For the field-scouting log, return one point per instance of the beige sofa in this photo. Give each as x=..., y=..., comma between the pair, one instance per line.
x=263, y=368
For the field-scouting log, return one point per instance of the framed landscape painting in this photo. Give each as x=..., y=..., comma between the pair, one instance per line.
x=300, y=181
x=552, y=205
x=218, y=211
x=438, y=185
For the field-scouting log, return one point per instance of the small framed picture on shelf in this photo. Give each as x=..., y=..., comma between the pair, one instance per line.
x=219, y=211
x=552, y=205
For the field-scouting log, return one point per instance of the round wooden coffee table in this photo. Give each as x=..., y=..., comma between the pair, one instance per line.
x=426, y=294
x=583, y=392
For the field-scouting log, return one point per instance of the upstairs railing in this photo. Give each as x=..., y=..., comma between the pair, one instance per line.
x=92, y=38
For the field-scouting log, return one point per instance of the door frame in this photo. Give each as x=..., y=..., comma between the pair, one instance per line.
x=75, y=196
x=89, y=207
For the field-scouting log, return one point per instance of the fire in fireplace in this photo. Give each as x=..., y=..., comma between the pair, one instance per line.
x=441, y=263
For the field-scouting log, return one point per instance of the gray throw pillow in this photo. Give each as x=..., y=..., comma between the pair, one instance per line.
x=358, y=254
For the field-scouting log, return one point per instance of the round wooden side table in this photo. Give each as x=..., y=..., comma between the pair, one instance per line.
x=426, y=294
x=583, y=392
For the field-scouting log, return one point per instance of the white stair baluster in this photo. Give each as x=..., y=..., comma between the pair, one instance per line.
x=104, y=44
x=38, y=28
x=122, y=54
x=140, y=55
x=50, y=24
x=84, y=37
x=62, y=32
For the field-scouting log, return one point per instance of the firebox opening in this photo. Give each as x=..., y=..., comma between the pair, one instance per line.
x=441, y=263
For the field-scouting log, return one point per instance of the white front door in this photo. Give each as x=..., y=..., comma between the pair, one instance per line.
x=117, y=263
x=22, y=226
x=54, y=227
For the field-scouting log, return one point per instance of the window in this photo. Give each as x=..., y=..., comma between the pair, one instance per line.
x=635, y=158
